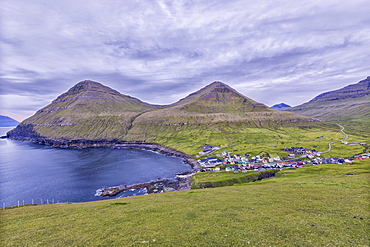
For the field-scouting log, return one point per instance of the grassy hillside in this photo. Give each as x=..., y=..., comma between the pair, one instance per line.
x=238, y=139
x=324, y=205
x=89, y=111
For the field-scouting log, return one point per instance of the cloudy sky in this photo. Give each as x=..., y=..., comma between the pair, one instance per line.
x=160, y=51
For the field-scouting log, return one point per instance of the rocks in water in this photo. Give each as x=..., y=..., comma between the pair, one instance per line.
x=182, y=182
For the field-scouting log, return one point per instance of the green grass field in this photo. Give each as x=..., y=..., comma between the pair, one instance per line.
x=326, y=205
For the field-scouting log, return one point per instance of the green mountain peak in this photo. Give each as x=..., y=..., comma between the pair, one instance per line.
x=219, y=97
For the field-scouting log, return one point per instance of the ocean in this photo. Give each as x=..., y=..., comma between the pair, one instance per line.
x=31, y=172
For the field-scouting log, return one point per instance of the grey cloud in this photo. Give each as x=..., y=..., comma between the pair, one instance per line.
x=159, y=51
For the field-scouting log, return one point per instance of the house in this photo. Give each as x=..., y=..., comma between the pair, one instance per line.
x=277, y=158
x=237, y=156
x=209, y=162
x=229, y=168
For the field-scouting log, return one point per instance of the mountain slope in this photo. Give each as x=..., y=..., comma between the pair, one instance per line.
x=352, y=101
x=6, y=121
x=90, y=111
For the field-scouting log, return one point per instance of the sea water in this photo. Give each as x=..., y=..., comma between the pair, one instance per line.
x=31, y=172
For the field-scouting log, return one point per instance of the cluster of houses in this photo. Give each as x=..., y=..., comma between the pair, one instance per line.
x=362, y=156
x=236, y=162
x=302, y=152
x=297, y=158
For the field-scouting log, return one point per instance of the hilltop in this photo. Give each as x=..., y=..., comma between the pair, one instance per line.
x=281, y=106
x=218, y=97
x=90, y=111
x=6, y=121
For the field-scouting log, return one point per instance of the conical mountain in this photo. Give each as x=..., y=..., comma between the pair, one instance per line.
x=90, y=92
x=216, y=107
x=350, y=102
x=219, y=97
x=88, y=110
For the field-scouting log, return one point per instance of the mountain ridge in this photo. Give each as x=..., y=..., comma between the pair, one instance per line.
x=357, y=90
x=91, y=111
x=347, y=102
x=348, y=106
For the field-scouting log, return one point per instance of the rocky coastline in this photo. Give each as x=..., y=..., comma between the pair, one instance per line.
x=181, y=182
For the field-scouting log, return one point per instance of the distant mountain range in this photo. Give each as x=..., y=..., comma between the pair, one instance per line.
x=90, y=111
x=280, y=107
x=350, y=102
x=6, y=121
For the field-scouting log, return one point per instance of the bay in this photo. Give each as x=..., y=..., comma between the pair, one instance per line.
x=30, y=171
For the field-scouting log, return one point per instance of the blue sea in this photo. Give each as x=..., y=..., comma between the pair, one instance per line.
x=36, y=173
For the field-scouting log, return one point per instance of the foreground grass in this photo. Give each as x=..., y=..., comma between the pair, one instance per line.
x=324, y=205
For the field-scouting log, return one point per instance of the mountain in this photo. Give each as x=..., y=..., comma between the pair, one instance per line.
x=218, y=97
x=90, y=111
x=216, y=108
x=350, y=102
x=6, y=121
x=280, y=107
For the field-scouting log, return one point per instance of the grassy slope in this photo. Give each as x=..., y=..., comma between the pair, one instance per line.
x=255, y=140
x=311, y=206
x=354, y=114
x=330, y=110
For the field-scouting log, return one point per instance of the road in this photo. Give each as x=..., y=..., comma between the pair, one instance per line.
x=345, y=138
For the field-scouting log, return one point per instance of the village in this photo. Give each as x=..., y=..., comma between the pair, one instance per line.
x=296, y=157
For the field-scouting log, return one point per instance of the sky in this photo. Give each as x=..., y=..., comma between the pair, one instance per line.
x=159, y=51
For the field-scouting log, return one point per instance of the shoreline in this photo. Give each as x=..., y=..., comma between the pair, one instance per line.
x=181, y=182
